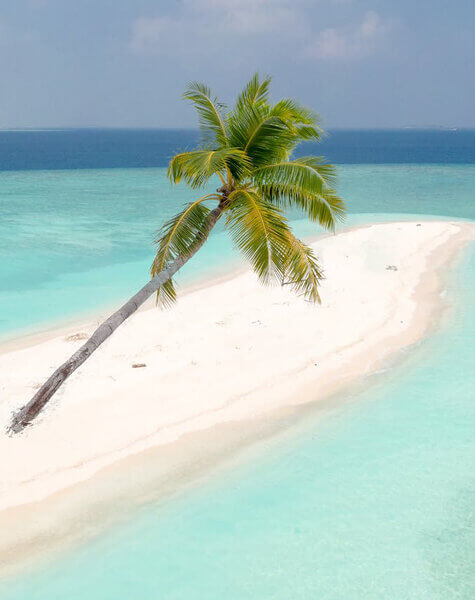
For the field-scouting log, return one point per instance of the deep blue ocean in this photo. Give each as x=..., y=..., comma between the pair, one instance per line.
x=134, y=148
x=373, y=500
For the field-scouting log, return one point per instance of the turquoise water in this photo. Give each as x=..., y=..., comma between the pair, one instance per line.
x=73, y=241
x=373, y=500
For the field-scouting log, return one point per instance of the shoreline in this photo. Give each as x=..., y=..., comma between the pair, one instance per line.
x=180, y=457
x=19, y=339
x=24, y=339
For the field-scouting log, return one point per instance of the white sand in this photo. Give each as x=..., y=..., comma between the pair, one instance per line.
x=226, y=352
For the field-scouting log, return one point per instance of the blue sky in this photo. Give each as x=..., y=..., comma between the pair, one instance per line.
x=360, y=63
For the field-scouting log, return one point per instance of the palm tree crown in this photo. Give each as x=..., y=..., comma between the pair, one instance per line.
x=249, y=148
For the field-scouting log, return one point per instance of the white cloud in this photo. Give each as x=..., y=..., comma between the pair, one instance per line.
x=350, y=42
x=200, y=27
x=252, y=16
x=217, y=20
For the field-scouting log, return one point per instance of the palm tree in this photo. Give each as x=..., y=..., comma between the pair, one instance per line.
x=249, y=150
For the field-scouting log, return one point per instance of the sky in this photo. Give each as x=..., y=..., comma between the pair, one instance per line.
x=125, y=63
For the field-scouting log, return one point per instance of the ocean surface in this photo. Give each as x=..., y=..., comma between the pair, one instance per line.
x=373, y=499
x=134, y=148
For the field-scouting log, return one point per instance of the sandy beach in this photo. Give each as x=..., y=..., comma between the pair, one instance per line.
x=225, y=354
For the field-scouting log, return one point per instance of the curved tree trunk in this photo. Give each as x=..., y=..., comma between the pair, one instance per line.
x=25, y=415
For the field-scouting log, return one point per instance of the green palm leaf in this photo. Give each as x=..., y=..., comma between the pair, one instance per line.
x=301, y=120
x=325, y=208
x=269, y=133
x=256, y=92
x=301, y=270
x=260, y=231
x=175, y=239
x=210, y=113
x=304, y=183
x=264, y=138
x=308, y=172
x=198, y=166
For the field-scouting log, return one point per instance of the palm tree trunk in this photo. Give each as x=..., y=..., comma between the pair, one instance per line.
x=25, y=415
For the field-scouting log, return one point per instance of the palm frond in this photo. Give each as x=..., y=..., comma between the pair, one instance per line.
x=324, y=207
x=255, y=92
x=260, y=231
x=305, y=183
x=302, y=121
x=301, y=270
x=309, y=132
x=292, y=111
x=309, y=173
x=264, y=138
x=269, y=134
x=175, y=238
x=211, y=119
x=198, y=166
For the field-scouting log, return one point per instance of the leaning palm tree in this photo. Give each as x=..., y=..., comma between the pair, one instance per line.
x=248, y=149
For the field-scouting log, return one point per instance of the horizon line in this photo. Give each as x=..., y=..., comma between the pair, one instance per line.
x=197, y=130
